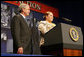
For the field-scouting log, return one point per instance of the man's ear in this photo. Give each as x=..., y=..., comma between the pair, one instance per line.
x=22, y=9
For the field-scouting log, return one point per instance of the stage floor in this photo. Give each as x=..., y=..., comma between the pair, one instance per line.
x=5, y=54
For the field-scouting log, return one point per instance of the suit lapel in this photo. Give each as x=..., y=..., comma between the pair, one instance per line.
x=23, y=20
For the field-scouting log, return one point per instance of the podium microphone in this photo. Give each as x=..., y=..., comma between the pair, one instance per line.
x=66, y=19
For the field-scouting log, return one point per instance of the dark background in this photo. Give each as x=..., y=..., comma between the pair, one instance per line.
x=71, y=9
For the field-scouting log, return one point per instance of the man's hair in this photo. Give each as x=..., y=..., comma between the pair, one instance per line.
x=22, y=5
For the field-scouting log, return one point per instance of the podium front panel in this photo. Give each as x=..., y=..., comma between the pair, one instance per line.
x=60, y=36
x=68, y=41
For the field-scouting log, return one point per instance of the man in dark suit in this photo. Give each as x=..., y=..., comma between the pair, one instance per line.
x=24, y=32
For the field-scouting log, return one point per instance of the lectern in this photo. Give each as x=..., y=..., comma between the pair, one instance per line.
x=63, y=40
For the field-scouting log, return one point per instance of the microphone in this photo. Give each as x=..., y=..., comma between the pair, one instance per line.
x=66, y=19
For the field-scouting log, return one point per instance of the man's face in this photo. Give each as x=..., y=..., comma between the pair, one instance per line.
x=26, y=10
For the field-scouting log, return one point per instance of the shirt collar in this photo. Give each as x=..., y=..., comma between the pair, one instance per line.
x=23, y=15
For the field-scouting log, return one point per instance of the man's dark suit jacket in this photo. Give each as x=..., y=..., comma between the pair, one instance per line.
x=24, y=36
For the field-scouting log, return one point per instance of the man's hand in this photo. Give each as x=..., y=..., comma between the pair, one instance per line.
x=20, y=50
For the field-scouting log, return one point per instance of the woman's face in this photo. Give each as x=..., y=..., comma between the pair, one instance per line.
x=49, y=17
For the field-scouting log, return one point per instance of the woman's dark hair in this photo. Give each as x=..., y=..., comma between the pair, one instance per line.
x=46, y=14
